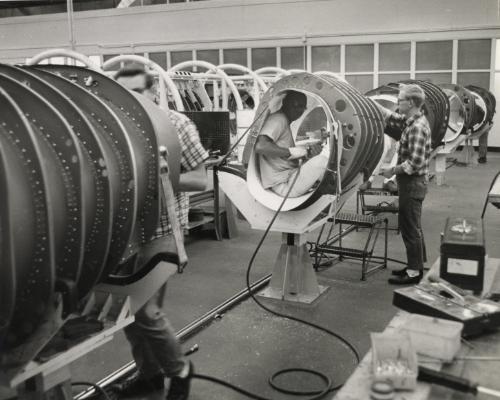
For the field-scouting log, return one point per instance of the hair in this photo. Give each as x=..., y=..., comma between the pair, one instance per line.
x=294, y=97
x=414, y=93
x=133, y=70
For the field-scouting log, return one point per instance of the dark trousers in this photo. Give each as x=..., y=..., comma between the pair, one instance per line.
x=412, y=191
x=155, y=347
x=483, y=145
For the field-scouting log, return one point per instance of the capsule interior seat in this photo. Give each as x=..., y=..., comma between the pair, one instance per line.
x=355, y=137
x=268, y=197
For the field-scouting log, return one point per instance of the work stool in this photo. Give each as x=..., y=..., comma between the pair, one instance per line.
x=380, y=207
x=332, y=244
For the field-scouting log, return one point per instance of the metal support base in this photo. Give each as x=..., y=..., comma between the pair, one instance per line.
x=293, y=277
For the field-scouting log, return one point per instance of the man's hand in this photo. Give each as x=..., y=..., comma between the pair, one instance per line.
x=297, y=152
x=315, y=149
x=387, y=171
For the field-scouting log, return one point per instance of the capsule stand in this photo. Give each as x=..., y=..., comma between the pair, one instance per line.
x=259, y=216
x=293, y=277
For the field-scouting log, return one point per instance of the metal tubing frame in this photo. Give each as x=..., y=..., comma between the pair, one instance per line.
x=165, y=78
x=63, y=53
x=213, y=69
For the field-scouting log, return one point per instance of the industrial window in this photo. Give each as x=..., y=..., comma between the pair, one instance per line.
x=153, y=2
x=159, y=58
x=265, y=57
x=211, y=56
x=436, y=78
x=394, y=56
x=96, y=59
x=107, y=57
x=363, y=83
x=384, y=79
x=359, y=57
x=176, y=57
x=481, y=79
x=434, y=55
x=474, y=54
x=235, y=56
x=293, y=58
x=325, y=58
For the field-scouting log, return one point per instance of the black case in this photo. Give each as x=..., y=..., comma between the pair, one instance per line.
x=463, y=244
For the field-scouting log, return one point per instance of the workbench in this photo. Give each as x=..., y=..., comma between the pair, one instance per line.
x=485, y=372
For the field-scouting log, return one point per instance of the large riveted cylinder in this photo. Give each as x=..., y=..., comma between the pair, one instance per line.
x=79, y=186
x=354, y=123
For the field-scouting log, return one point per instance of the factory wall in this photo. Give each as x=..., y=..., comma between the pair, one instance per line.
x=368, y=42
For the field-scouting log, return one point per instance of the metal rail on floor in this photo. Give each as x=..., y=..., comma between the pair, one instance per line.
x=186, y=332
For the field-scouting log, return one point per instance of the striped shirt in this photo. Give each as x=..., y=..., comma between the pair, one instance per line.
x=415, y=146
x=193, y=154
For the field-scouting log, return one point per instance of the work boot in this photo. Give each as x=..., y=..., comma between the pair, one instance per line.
x=481, y=160
x=399, y=272
x=365, y=186
x=139, y=386
x=179, y=387
x=406, y=279
x=391, y=186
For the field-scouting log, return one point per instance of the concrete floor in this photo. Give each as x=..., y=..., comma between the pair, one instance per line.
x=247, y=344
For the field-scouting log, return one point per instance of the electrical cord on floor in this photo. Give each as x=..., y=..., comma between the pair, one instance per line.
x=317, y=394
x=96, y=387
x=329, y=385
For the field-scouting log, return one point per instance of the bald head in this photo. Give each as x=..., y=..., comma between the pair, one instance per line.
x=294, y=105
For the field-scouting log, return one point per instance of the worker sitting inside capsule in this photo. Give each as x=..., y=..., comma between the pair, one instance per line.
x=281, y=159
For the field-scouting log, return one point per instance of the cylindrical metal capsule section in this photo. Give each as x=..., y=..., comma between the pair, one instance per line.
x=351, y=119
x=79, y=187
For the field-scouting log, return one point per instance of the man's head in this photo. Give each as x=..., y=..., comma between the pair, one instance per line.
x=294, y=105
x=410, y=100
x=136, y=78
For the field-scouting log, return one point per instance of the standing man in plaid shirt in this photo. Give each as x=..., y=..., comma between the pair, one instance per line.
x=411, y=173
x=155, y=348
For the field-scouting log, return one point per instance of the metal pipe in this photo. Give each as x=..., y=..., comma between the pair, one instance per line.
x=70, y=24
x=184, y=333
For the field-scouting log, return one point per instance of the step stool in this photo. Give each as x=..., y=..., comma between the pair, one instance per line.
x=375, y=209
x=321, y=249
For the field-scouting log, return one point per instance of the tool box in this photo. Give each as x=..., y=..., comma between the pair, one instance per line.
x=463, y=252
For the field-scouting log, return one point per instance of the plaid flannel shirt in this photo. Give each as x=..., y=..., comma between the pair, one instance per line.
x=192, y=155
x=415, y=146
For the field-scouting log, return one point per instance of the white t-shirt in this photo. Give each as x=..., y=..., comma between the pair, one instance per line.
x=276, y=170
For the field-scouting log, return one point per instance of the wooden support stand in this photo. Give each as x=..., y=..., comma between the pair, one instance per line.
x=293, y=276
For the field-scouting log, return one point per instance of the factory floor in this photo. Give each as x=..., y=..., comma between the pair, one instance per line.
x=247, y=345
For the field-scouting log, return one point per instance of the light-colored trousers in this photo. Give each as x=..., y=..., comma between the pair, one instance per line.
x=310, y=172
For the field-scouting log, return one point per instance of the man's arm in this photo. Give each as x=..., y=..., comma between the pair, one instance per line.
x=265, y=146
x=194, y=180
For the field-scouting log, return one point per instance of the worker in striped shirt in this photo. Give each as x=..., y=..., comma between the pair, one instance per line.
x=411, y=172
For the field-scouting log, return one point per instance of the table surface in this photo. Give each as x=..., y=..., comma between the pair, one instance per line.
x=485, y=373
